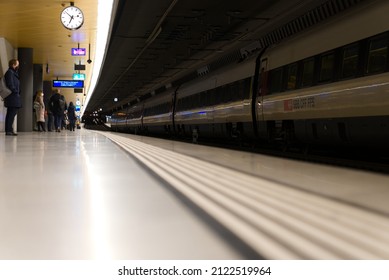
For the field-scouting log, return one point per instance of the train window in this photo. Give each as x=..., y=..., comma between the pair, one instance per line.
x=276, y=80
x=203, y=99
x=164, y=108
x=350, y=61
x=190, y=102
x=232, y=91
x=225, y=94
x=214, y=96
x=218, y=95
x=377, y=57
x=137, y=114
x=327, y=67
x=208, y=98
x=291, y=77
x=242, y=89
x=210, y=94
x=247, y=88
x=197, y=100
x=308, y=72
x=229, y=92
x=184, y=104
x=236, y=91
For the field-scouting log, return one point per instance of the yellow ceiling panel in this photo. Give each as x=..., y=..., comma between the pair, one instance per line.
x=36, y=24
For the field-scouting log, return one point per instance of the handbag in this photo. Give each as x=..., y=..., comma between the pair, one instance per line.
x=4, y=90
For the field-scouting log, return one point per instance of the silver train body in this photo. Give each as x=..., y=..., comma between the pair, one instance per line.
x=327, y=86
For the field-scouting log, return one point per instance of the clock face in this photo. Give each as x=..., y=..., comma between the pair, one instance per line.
x=72, y=18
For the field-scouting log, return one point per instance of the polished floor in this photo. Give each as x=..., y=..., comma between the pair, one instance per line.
x=102, y=195
x=76, y=195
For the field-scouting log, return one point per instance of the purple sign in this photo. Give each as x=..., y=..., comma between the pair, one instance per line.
x=78, y=51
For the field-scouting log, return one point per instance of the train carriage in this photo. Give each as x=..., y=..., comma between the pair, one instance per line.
x=157, y=114
x=218, y=105
x=328, y=85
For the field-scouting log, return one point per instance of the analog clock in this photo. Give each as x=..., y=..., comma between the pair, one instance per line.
x=72, y=17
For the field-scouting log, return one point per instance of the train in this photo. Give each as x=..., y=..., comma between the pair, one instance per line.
x=328, y=85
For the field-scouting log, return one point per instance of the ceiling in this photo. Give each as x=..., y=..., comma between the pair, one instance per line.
x=155, y=43
x=36, y=24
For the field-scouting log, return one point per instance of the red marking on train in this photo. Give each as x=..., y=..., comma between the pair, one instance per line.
x=288, y=105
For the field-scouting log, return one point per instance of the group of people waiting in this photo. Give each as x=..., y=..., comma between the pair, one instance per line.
x=57, y=112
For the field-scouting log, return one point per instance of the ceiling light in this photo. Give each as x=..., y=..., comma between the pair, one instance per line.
x=105, y=7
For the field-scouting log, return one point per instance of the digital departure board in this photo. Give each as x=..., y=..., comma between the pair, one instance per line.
x=68, y=83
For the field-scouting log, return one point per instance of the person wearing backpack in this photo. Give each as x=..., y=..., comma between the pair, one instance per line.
x=13, y=101
x=72, y=116
x=55, y=107
x=63, y=106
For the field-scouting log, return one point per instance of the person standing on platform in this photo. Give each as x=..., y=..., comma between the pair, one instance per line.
x=50, y=115
x=13, y=101
x=39, y=107
x=72, y=116
x=55, y=108
x=64, y=107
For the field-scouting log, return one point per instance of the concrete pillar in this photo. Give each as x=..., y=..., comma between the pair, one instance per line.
x=25, y=116
x=38, y=77
x=47, y=90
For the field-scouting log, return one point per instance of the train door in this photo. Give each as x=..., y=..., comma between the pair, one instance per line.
x=173, y=110
x=142, y=128
x=258, y=91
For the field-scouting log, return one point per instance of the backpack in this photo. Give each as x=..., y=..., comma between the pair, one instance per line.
x=61, y=104
x=4, y=90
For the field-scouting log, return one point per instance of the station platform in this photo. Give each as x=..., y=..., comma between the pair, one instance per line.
x=103, y=195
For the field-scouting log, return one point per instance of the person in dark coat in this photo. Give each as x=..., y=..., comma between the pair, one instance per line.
x=50, y=116
x=55, y=108
x=64, y=107
x=72, y=116
x=13, y=101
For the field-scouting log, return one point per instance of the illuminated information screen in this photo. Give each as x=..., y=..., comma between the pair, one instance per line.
x=78, y=76
x=78, y=51
x=68, y=83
